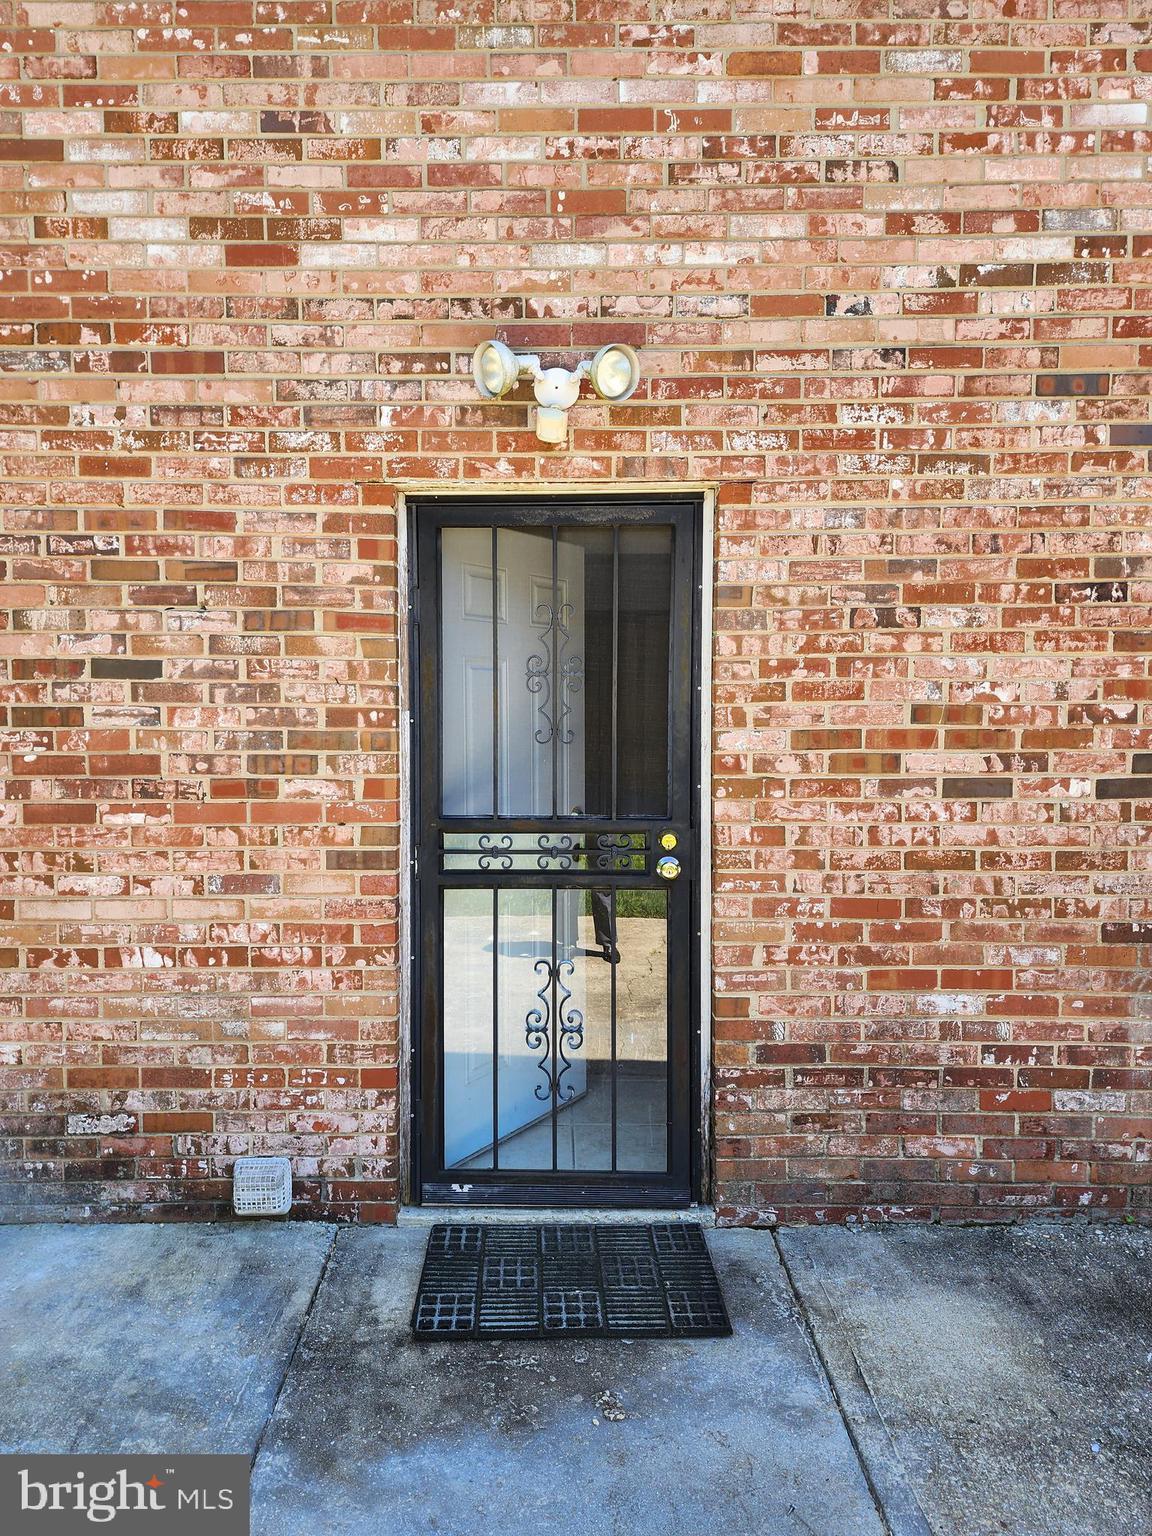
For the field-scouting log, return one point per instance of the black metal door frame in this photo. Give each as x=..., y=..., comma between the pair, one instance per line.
x=429, y=1181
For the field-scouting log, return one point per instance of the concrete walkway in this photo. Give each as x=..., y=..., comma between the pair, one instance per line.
x=923, y=1382
x=1007, y=1369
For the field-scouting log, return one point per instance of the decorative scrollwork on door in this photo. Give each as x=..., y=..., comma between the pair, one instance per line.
x=494, y=851
x=537, y=1032
x=571, y=1022
x=569, y=1026
x=559, y=852
x=554, y=693
x=568, y=852
x=620, y=850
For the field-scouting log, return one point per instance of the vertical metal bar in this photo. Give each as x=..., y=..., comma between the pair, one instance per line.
x=680, y=625
x=430, y=563
x=612, y=940
x=495, y=674
x=555, y=1031
x=615, y=666
x=612, y=967
x=556, y=684
x=495, y=1028
x=496, y=808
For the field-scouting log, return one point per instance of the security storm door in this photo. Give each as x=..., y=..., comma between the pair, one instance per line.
x=555, y=850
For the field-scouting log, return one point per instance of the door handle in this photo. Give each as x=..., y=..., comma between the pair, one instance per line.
x=667, y=868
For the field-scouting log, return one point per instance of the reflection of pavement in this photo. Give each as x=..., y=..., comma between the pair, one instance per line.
x=584, y=1138
x=536, y=1018
x=641, y=986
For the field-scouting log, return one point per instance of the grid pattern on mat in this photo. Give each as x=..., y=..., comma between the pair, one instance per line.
x=550, y=1281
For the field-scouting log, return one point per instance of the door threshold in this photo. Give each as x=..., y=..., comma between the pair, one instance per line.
x=595, y=1215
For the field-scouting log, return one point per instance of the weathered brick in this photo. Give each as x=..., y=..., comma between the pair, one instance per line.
x=886, y=277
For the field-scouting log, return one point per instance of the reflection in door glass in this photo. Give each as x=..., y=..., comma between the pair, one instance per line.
x=543, y=747
x=468, y=1033
x=644, y=663
x=580, y=1072
x=471, y=654
x=555, y=670
x=621, y=1119
x=525, y=956
x=641, y=1078
x=587, y=555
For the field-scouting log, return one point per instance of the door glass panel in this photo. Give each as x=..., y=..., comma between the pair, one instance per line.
x=538, y=639
x=524, y=955
x=586, y=557
x=642, y=1030
x=466, y=987
x=584, y=1106
x=644, y=661
x=575, y=1052
x=469, y=653
x=554, y=694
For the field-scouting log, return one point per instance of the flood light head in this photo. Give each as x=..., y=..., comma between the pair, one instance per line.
x=614, y=372
x=495, y=368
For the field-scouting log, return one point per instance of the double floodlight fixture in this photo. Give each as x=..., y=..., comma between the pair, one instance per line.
x=614, y=373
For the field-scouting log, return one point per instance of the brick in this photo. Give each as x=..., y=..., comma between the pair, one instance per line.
x=1072, y=384
x=886, y=278
x=978, y=789
x=1138, y=788
x=126, y=667
x=774, y=62
x=31, y=149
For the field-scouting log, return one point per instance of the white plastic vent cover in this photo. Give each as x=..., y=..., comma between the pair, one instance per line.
x=262, y=1186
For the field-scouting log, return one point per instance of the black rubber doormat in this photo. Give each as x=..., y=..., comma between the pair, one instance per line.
x=540, y=1282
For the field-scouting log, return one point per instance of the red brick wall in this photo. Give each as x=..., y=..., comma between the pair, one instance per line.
x=888, y=265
